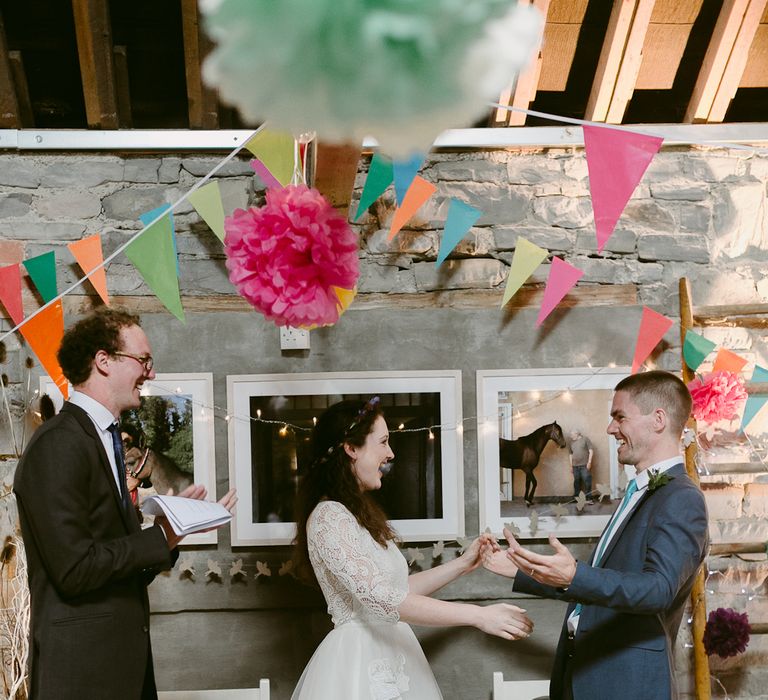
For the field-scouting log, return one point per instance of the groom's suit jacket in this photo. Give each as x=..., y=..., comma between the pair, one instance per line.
x=633, y=601
x=89, y=564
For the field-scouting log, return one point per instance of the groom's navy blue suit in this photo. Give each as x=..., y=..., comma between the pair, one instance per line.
x=632, y=603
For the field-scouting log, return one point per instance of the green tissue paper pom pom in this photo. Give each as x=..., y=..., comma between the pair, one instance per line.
x=401, y=71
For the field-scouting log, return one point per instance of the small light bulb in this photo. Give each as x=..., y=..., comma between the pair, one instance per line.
x=401, y=426
x=258, y=413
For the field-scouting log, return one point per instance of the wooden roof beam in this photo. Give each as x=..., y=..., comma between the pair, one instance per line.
x=523, y=90
x=26, y=115
x=203, y=102
x=9, y=103
x=620, y=59
x=725, y=60
x=94, y=48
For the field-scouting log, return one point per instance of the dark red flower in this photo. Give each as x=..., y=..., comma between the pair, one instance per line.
x=726, y=633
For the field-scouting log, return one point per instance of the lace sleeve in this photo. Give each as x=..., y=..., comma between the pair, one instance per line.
x=345, y=549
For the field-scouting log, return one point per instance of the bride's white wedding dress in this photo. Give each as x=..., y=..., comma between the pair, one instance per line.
x=370, y=654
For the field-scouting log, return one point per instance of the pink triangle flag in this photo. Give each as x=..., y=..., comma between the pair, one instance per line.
x=562, y=277
x=616, y=160
x=89, y=256
x=10, y=292
x=653, y=326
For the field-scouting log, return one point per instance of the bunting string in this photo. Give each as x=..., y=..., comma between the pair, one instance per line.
x=202, y=181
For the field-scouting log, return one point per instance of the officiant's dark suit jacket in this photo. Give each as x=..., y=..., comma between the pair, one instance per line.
x=633, y=602
x=89, y=564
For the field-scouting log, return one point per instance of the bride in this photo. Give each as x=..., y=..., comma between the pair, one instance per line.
x=345, y=544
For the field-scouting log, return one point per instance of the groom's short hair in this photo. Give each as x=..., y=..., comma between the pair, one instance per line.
x=659, y=389
x=99, y=330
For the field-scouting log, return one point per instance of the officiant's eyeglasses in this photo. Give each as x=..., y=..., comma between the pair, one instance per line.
x=145, y=360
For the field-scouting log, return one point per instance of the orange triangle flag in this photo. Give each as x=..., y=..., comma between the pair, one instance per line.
x=653, y=326
x=89, y=255
x=44, y=332
x=418, y=193
x=728, y=361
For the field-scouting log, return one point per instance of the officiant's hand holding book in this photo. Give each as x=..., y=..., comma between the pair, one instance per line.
x=189, y=512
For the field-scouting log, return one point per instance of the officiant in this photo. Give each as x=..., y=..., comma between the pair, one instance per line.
x=89, y=561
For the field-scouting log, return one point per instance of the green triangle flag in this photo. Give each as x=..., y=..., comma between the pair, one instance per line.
x=154, y=256
x=380, y=176
x=275, y=150
x=207, y=202
x=42, y=270
x=695, y=348
x=754, y=402
x=526, y=259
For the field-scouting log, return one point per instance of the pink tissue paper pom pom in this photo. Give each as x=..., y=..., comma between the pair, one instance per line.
x=286, y=257
x=717, y=396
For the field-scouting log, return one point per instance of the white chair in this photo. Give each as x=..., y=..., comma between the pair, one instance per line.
x=260, y=693
x=519, y=690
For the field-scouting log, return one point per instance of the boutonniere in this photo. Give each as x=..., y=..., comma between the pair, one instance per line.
x=656, y=480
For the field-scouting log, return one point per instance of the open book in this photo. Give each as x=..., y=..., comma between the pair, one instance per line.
x=187, y=515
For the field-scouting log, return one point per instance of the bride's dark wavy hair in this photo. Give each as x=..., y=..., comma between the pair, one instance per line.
x=330, y=477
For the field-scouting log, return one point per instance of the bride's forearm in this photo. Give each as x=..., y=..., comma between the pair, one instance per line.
x=428, y=581
x=422, y=610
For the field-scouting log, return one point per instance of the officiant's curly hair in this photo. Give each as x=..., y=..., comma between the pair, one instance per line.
x=330, y=476
x=99, y=330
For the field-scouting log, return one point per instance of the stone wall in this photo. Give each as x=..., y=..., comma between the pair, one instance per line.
x=697, y=213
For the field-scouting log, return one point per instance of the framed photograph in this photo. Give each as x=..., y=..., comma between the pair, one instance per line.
x=532, y=425
x=270, y=423
x=171, y=437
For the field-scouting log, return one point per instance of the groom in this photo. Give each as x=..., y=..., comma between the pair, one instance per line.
x=627, y=601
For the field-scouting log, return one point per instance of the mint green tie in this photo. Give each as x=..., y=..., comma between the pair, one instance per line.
x=631, y=488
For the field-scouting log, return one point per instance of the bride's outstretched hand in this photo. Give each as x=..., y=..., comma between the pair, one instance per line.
x=474, y=553
x=505, y=621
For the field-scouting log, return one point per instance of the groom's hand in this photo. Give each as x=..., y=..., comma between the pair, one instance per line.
x=495, y=558
x=556, y=569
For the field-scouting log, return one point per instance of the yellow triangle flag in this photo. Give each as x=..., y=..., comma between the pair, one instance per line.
x=526, y=259
x=207, y=202
x=275, y=150
x=89, y=255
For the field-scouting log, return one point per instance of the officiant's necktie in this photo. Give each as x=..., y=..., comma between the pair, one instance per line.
x=603, y=543
x=117, y=446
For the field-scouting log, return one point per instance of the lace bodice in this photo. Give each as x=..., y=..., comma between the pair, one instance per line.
x=358, y=577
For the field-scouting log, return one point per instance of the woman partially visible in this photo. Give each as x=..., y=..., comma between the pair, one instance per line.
x=345, y=544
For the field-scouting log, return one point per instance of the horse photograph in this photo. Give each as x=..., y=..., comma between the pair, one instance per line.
x=537, y=429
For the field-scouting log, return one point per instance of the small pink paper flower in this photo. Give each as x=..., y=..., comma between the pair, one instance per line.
x=287, y=257
x=717, y=396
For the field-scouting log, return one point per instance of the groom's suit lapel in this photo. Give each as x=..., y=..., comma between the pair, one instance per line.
x=677, y=470
x=89, y=429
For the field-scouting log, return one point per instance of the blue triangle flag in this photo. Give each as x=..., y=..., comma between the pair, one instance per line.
x=755, y=402
x=460, y=219
x=404, y=171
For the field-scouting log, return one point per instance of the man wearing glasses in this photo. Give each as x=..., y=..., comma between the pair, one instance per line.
x=89, y=561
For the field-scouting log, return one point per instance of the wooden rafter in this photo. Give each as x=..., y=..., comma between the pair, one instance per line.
x=523, y=90
x=203, y=102
x=94, y=48
x=26, y=115
x=9, y=104
x=620, y=60
x=122, y=87
x=725, y=60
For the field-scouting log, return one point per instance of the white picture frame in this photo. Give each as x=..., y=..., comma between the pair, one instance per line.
x=514, y=403
x=196, y=390
x=437, y=391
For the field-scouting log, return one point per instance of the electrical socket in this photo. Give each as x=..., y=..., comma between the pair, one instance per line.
x=294, y=338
